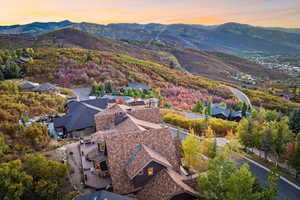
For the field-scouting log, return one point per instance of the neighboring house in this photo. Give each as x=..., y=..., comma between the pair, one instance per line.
x=114, y=99
x=286, y=95
x=28, y=86
x=138, y=154
x=103, y=195
x=227, y=114
x=80, y=120
x=46, y=88
x=218, y=112
x=138, y=86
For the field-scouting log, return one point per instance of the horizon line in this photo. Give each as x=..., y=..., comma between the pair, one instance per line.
x=105, y=24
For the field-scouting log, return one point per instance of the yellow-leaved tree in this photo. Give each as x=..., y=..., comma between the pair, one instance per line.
x=191, y=151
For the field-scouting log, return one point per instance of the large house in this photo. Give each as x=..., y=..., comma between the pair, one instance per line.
x=80, y=120
x=137, y=155
x=226, y=114
x=46, y=88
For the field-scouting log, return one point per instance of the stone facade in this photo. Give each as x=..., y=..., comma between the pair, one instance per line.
x=82, y=133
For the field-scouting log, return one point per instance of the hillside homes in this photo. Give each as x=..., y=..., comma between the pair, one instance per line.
x=134, y=154
x=46, y=88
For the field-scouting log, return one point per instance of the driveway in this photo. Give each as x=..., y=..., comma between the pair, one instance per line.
x=240, y=95
x=74, y=161
x=82, y=93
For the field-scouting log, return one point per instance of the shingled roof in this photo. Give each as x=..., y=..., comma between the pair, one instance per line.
x=29, y=85
x=80, y=115
x=45, y=87
x=142, y=156
x=165, y=185
x=121, y=146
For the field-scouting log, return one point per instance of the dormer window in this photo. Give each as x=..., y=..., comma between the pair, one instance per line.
x=150, y=171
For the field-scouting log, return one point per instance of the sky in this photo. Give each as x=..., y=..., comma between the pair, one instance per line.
x=271, y=13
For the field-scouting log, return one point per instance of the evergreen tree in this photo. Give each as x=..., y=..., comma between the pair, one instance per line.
x=294, y=122
x=108, y=87
x=208, y=109
x=1, y=76
x=11, y=70
x=244, y=110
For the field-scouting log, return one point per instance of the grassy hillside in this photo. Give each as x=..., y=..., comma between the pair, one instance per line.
x=214, y=65
x=80, y=67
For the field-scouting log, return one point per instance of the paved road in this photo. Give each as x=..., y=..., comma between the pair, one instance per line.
x=285, y=189
x=82, y=93
x=240, y=95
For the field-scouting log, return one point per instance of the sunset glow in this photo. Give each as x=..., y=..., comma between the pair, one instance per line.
x=207, y=12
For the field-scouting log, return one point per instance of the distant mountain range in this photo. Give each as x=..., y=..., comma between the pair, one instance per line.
x=234, y=38
x=210, y=64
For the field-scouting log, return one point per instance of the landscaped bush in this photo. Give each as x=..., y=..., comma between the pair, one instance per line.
x=220, y=127
x=66, y=91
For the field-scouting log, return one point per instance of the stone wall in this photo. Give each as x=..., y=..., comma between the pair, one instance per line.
x=82, y=133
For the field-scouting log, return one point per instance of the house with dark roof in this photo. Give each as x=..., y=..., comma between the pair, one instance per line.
x=28, y=86
x=46, y=88
x=218, y=112
x=103, y=195
x=138, y=154
x=80, y=120
x=227, y=114
x=138, y=86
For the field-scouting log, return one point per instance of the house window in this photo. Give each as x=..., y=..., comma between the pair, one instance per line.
x=150, y=171
x=97, y=165
x=101, y=146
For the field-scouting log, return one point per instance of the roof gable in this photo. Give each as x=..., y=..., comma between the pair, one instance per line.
x=141, y=157
x=120, y=148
